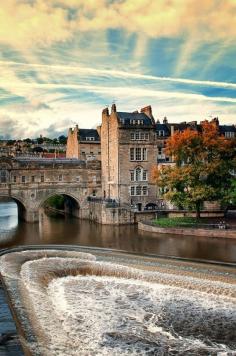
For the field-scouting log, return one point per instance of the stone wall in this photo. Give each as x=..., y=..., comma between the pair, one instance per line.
x=102, y=214
x=187, y=231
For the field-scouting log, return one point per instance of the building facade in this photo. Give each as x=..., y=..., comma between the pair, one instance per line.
x=129, y=145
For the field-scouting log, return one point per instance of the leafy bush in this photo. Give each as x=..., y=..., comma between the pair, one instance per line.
x=56, y=201
x=176, y=222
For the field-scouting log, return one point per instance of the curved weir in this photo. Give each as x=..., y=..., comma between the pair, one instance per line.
x=77, y=303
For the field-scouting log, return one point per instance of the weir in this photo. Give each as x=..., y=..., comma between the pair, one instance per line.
x=133, y=303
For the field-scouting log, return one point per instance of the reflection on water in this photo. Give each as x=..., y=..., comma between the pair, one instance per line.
x=68, y=230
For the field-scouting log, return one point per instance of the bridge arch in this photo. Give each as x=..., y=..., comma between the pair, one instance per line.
x=71, y=203
x=21, y=206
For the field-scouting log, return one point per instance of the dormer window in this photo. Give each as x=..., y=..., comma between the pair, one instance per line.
x=90, y=138
x=122, y=121
x=160, y=133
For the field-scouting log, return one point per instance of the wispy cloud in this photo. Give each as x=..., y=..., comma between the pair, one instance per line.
x=116, y=73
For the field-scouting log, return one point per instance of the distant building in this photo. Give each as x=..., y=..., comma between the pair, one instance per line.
x=83, y=143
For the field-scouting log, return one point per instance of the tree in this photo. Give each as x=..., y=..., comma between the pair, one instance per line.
x=62, y=140
x=204, y=161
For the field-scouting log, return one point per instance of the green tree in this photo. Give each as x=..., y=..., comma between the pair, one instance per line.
x=204, y=161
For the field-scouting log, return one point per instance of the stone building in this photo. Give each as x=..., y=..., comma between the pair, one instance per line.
x=83, y=143
x=129, y=144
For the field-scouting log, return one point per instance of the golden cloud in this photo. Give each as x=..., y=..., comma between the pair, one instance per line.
x=43, y=22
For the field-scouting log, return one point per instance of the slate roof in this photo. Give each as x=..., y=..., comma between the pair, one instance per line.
x=163, y=127
x=227, y=128
x=127, y=116
x=83, y=133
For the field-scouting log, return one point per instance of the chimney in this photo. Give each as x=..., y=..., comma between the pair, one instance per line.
x=99, y=130
x=148, y=111
x=165, y=121
x=113, y=107
x=105, y=111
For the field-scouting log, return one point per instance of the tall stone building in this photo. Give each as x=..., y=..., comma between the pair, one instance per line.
x=128, y=146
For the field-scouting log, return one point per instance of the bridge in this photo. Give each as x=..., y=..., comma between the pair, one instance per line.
x=31, y=181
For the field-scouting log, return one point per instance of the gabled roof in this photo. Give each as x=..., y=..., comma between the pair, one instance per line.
x=126, y=118
x=85, y=134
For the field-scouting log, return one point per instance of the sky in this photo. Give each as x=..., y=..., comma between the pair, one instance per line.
x=63, y=61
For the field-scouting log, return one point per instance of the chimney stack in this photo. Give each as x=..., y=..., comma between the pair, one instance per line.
x=148, y=111
x=113, y=107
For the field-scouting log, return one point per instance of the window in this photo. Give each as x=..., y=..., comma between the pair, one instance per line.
x=132, y=154
x=33, y=179
x=14, y=179
x=139, y=136
x=144, y=175
x=159, y=150
x=229, y=134
x=161, y=133
x=3, y=176
x=23, y=179
x=77, y=179
x=90, y=138
x=132, y=176
x=144, y=158
x=60, y=178
x=122, y=121
x=91, y=152
x=138, y=190
x=138, y=154
x=138, y=174
x=42, y=179
x=132, y=190
x=145, y=190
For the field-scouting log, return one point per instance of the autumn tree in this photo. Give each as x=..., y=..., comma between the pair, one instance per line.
x=204, y=161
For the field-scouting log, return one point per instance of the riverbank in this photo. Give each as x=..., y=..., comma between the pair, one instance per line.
x=150, y=226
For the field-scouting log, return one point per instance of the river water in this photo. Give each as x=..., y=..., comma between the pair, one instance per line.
x=69, y=230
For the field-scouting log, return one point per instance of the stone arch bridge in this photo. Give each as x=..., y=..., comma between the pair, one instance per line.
x=31, y=181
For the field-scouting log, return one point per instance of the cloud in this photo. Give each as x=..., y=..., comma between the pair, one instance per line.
x=73, y=69
x=41, y=22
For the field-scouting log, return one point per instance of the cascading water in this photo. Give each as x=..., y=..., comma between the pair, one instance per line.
x=78, y=306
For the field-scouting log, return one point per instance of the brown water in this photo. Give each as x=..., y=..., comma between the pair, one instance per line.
x=68, y=230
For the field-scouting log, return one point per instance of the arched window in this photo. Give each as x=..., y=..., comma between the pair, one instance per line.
x=138, y=175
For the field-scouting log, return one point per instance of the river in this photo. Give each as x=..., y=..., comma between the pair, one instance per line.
x=69, y=230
